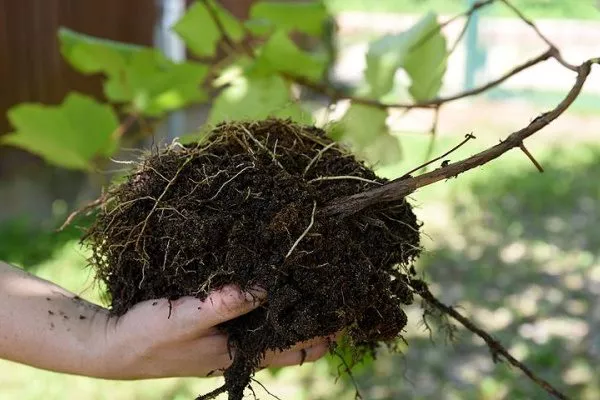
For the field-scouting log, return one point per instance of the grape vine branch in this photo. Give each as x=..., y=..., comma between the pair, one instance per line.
x=407, y=184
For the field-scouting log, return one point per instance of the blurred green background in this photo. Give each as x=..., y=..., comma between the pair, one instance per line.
x=516, y=250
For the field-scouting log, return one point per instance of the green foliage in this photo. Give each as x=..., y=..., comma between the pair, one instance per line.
x=307, y=17
x=281, y=55
x=27, y=246
x=141, y=77
x=420, y=51
x=200, y=32
x=360, y=124
x=70, y=135
x=251, y=83
x=256, y=97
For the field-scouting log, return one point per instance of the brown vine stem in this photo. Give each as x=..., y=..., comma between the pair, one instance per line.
x=433, y=103
x=495, y=346
x=400, y=188
x=533, y=26
x=467, y=14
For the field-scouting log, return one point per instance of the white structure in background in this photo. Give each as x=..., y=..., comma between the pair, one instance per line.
x=173, y=47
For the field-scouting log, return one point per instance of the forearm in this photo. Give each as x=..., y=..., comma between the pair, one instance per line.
x=45, y=326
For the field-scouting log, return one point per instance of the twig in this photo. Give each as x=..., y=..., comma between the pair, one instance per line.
x=523, y=18
x=400, y=188
x=468, y=137
x=89, y=206
x=495, y=346
x=433, y=103
x=264, y=388
x=213, y=394
x=533, y=160
x=312, y=221
x=468, y=14
x=336, y=95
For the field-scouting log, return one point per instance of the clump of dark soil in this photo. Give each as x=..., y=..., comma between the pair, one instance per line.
x=242, y=207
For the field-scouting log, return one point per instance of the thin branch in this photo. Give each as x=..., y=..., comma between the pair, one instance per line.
x=400, y=188
x=88, y=207
x=468, y=137
x=468, y=14
x=533, y=160
x=523, y=18
x=495, y=346
x=433, y=103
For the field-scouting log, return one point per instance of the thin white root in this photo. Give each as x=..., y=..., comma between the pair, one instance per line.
x=344, y=177
x=312, y=221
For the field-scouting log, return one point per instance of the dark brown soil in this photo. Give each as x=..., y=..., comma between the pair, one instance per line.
x=236, y=209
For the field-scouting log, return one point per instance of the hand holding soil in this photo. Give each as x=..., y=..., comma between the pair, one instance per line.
x=45, y=326
x=162, y=338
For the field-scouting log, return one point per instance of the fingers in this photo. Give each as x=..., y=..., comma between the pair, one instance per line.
x=300, y=353
x=297, y=357
x=228, y=303
x=188, y=315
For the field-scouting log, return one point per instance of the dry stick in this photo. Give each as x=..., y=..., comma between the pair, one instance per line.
x=495, y=347
x=433, y=103
x=213, y=394
x=533, y=160
x=468, y=14
x=400, y=188
x=468, y=137
x=335, y=95
x=529, y=22
x=89, y=206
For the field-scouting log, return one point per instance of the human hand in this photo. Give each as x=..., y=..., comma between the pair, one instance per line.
x=157, y=339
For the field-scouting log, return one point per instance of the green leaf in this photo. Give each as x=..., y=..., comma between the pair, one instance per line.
x=256, y=98
x=281, y=55
x=306, y=17
x=421, y=51
x=360, y=125
x=383, y=150
x=137, y=75
x=70, y=135
x=92, y=55
x=427, y=61
x=200, y=32
x=155, y=85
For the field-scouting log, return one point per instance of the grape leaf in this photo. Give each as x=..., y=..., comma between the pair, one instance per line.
x=90, y=55
x=200, y=32
x=138, y=75
x=155, y=85
x=281, y=55
x=306, y=17
x=365, y=129
x=256, y=97
x=360, y=125
x=70, y=135
x=420, y=51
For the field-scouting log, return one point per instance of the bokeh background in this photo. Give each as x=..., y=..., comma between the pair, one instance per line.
x=516, y=250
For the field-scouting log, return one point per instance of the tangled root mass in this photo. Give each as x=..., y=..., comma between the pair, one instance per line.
x=242, y=207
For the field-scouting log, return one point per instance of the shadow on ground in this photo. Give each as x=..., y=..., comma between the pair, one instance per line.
x=520, y=255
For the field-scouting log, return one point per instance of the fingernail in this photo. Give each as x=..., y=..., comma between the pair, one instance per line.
x=256, y=294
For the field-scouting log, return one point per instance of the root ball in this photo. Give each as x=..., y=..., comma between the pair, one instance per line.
x=242, y=207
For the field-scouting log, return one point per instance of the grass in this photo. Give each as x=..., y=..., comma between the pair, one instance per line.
x=517, y=250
